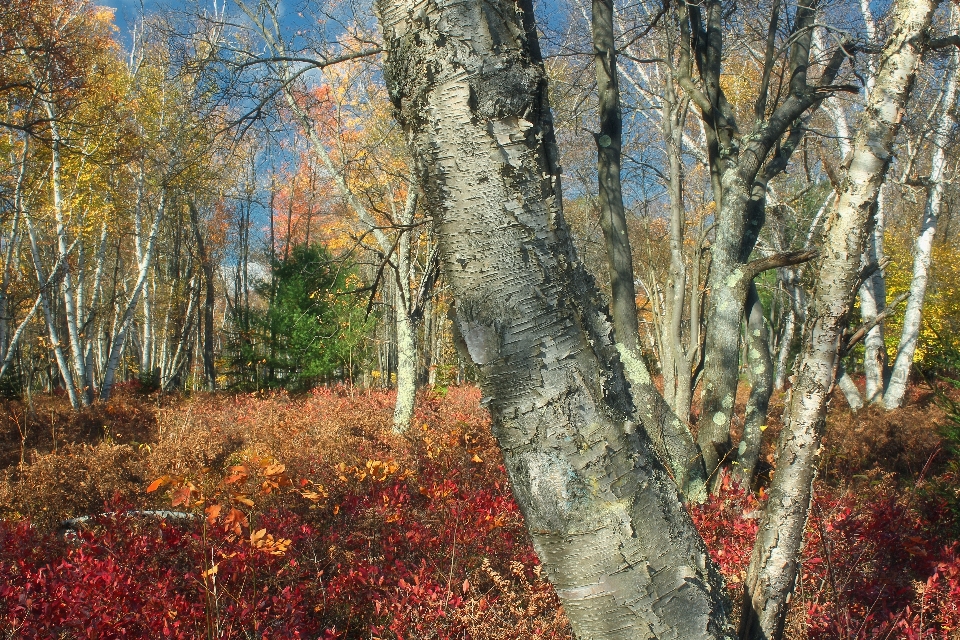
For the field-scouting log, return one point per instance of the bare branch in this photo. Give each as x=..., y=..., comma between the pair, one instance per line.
x=865, y=328
x=785, y=259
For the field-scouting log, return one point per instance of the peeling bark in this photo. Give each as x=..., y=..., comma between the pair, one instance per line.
x=604, y=516
x=912, y=317
x=775, y=561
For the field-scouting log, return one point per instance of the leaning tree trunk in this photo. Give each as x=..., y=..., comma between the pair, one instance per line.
x=912, y=317
x=605, y=517
x=776, y=556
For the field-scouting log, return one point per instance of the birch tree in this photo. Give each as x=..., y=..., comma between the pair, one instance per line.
x=741, y=168
x=775, y=561
x=481, y=131
x=944, y=134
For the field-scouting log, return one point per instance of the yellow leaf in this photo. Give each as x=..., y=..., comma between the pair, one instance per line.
x=242, y=499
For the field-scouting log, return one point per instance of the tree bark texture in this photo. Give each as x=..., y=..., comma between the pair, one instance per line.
x=760, y=377
x=605, y=517
x=671, y=437
x=775, y=560
x=923, y=249
x=613, y=219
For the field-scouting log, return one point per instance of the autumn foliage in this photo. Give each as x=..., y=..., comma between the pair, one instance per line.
x=312, y=520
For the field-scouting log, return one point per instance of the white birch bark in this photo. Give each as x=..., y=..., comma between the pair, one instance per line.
x=923, y=249
x=776, y=557
x=69, y=300
x=604, y=516
x=44, y=282
x=118, y=343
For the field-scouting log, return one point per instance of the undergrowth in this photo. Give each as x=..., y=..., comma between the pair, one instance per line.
x=313, y=520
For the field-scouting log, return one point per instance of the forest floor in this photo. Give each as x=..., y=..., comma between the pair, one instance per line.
x=313, y=520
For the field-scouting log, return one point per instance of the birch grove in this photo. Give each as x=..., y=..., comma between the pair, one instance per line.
x=640, y=229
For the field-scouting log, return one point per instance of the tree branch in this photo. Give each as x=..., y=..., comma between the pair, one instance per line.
x=785, y=259
x=865, y=328
x=944, y=42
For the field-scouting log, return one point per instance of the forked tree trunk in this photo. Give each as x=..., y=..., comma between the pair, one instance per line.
x=605, y=517
x=775, y=561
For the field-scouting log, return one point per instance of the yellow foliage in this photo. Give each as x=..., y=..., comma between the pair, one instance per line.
x=940, y=329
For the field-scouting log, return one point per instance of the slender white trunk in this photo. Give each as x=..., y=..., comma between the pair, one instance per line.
x=44, y=282
x=775, y=561
x=15, y=340
x=912, y=317
x=850, y=391
x=120, y=333
x=10, y=250
x=69, y=300
x=406, y=370
x=406, y=328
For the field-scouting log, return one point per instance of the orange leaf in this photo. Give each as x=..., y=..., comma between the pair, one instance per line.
x=156, y=484
x=274, y=470
x=213, y=512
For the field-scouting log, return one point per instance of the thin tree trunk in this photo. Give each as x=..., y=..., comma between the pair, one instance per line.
x=604, y=515
x=873, y=300
x=849, y=388
x=912, y=317
x=671, y=437
x=15, y=340
x=613, y=219
x=120, y=333
x=44, y=284
x=209, y=366
x=405, y=326
x=69, y=301
x=760, y=377
x=776, y=557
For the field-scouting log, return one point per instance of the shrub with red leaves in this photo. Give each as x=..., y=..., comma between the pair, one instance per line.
x=315, y=521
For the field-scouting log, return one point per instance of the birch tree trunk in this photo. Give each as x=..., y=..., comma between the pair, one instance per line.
x=145, y=256
x=776, y=556
x=69, y=301
x=406, y=328
x=605, y=518
x=912, y=317
x=44, y=283
x=740, y=171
